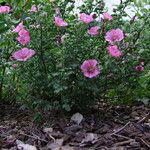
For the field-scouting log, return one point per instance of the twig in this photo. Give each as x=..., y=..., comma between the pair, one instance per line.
x=146, y=143
x=33, y=137
x=125, y=137
x=102, y=147
x=122, y=128
x=144, y=118
x=52, y=138
x=49, y=136
x=124, y=142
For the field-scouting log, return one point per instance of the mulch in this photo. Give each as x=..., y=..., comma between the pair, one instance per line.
x=107, y=128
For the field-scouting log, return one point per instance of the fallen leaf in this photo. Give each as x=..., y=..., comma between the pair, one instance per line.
x=77, y=118
x=22, y=146
x=90, y=137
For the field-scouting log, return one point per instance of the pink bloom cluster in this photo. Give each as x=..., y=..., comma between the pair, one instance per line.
x=90, y=69
x=60, y=22
x=113, y=36
x=94, y=30
x=23, y=54
x=86, y=18
x=107, y=16
x=4, y=9
x=24, y=36
x=114, y=51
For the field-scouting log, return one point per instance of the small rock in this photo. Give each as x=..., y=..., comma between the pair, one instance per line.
x=48, y=130
x=77, y=118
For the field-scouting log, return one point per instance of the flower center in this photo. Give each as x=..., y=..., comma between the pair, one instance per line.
x=23, y=56
x=91, y=69
x=115, y=37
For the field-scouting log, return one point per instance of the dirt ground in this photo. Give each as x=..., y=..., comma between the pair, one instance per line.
x=108, y=128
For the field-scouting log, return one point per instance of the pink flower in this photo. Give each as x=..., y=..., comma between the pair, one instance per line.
x=23, y=32
x=14, y=66
x=114, y=35
x=23, y=54
x=34, y=8
x=60, y=22
x=18, y=27
x=114, y=51
x=94, y=30
x=24, y=37
x=89, y=68
x=4, y=9
x=139, y=68
x=107, y=16
x=86, y=18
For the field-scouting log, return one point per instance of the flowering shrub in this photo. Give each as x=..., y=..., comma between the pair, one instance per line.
x=52, y=57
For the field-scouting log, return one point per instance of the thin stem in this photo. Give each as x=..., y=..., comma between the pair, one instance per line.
x=3, y=74
x=2, y=80
x=42, y=52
